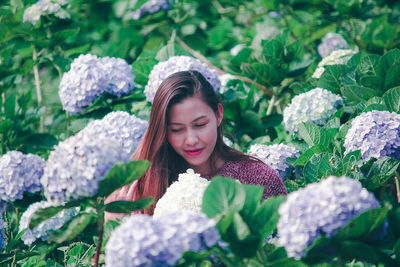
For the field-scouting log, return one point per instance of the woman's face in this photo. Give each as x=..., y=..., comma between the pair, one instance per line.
x=192, y=131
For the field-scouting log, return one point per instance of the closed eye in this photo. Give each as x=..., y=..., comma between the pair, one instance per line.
x=200, y=125
x=175, y=130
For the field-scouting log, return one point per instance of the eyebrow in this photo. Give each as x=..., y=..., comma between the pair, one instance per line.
x=199, y=118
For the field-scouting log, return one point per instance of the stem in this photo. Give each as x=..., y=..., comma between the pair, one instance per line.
x=219, y=71
x=100, y=228
x=396, y=179
x=37, y=85
x=271, y=105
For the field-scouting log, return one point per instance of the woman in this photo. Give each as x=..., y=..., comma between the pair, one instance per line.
x=184, y=132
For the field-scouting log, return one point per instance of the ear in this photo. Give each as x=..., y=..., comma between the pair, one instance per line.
x=220, y=114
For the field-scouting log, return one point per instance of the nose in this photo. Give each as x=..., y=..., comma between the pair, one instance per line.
x=191, y=138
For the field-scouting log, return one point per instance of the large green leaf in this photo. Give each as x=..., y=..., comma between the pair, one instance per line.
x=222, y=196
x=392, y=99
x=356, y=93
x=315, y=135
x=239, y=227
x=331, y=78
x=170, y=50
x=121, y=174
x=129, y=206
x=73, y=228
x=304, y=158
x=362, y=225
x=254, y=195
x=392, y=76
x=267, y=216
x=321, y=165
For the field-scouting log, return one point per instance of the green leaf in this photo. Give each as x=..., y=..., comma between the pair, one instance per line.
x=322, y=249
x=267, y=216
x=315, y=135
x=356, y=94
x=239, y=227
x=223, y=195
x=9, y=106
x=218, y=36
x=387, y=61
x=121, y=174
x=380, y=172
x=254, y=194
x=305, y=157
x=392, y=99
x=273, y=49
x=374, y=107
x=170, y=50
x=143, y=66
x=267, y=73
x=331, y=78
x=363, y=224
x=129, y=206
x=9, y=257
x=321, y=165
x=72, y=228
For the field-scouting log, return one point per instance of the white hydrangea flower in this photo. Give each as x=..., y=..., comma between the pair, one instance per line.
x=275, y=156
x=184, y=194
x=316, y=106
x=122, y=127
x=175, y=64
x=76, y=166
x=44, y=229
x=337, y=57
x=46, y=7
x=225, y=78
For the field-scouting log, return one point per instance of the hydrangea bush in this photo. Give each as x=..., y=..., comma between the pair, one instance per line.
x=376, y=134
x=159, y=242
x=91, y=76
x=44, y=229
x=336, y=57
x=126, y=129
x=275, y=157
x=174, y=64
x=151, y=7
x=320, y=209
x=76, y=166
x=316, y=106
x=44, y=8
x=184, y=194
x=19, y=173
x=331, y=42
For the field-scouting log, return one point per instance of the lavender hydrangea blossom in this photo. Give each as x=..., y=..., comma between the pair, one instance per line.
x=320, y=209
x=376, y=134
x=43, y=230
x=174, y=64
x=316, y=106
x=77, y=165
x=331, y=42
x=91, y=76
x=126, y=129
x=337, y=57
x=44, y=8
x=3, y=226
x=151, y=7
x=19, y=173
x=275, y=156
x=159, y=242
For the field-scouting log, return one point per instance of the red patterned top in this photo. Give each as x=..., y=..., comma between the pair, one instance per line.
x=253, y=172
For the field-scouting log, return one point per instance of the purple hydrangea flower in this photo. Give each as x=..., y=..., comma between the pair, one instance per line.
x=275, y=156
x=122, y=127
x=376, y=134
x=144, y=241
x=320, y=209
x=174, y=64
x=44, y=229
x=151, y=7
x=46, y=7
x=77, y=165
x=316, y=106
x=120, y=76
x=91, y=76
x=331, y=42
x=19, y=173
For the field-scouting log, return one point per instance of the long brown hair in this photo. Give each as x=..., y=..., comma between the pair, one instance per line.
x=166, y=164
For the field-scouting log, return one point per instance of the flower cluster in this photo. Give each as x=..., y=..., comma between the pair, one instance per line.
x=3, y=226
x=159, y=242
x=184, y=194
x=151, y=7
x=337, y=57
x=44, y=229
x=121, y=127
x=91, y=76
x=275, y=156
x=44, y=8
x=320, y=209
x=316, y=106
x=174, y=64
x=77, y=165
x=376, y=134
x=331, y=42
x=19, y=173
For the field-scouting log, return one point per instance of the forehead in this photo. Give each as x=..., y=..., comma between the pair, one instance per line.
x=189, y=109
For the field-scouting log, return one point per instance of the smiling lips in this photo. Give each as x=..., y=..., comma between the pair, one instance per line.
x=194, y=152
